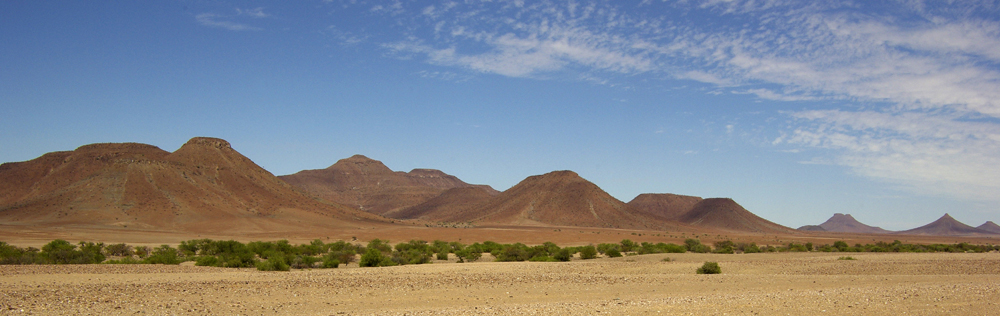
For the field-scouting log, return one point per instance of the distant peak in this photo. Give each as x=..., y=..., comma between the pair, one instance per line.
x=563, y=173
x=208, y=142
x=362, y=164
x=947, y=217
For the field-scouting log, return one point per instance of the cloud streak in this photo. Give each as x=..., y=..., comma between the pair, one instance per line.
x=927, y=76
x=222, y=21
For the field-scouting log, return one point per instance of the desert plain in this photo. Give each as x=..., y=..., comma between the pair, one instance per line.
x=750, y=284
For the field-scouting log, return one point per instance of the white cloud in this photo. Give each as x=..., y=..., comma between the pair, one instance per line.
x=920, y=70
x=922, y=152
x=212, y=20
x=256, y=12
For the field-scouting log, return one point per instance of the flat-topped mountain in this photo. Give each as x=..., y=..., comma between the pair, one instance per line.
x=845, y=223
x=946, y=226
x=724, y=213
x=664, y=205
x=369, y=185
x=205, y=185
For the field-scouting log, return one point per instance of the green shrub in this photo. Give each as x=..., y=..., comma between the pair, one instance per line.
x=208, y=261
x=709, y=268
x=588, y=252
x=119, y=250
x=371, y=258
x=274, y=263
x=142, y=251
x=613, y=253
x=163, y=255
x=846, y=258
x=515, y=252
x=329, y=263
x=725, y=246
x=674, y=248
x=469, y=254
x=14, y=255
x=563, y=255
x=628, y=245
x=748, y=248
x=542, y=259
x=304, y=262
x=62, y=252
x=840, y=245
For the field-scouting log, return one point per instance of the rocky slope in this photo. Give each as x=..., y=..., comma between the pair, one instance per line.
x=726, y=214
x=664, y=205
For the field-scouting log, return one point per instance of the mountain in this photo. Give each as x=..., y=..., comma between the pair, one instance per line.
x=946, y=226
x=369, y=185
x=990, y=226
x=205, y=185
x=845, y=223
x=560, y=198
x=726, y=214
x=443, y=206
x=664, y=205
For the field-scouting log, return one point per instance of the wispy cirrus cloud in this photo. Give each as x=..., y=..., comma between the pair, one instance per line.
x=926, y=74
x=926, y=153
x=226, y=21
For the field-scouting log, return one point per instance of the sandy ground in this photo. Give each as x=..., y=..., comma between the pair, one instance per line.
x=751, y=284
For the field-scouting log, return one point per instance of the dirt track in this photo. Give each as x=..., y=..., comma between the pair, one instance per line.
x=757, y=284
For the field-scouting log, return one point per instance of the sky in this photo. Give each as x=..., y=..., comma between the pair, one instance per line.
x=886, y=110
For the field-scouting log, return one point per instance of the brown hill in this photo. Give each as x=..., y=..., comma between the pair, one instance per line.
x=990, y=226
x=443, y=206
x=203, y=186
x=664, y=205
x=370, y=186
x=946, y=226
x=726, y=214
x=560, y=198
x=845, y=223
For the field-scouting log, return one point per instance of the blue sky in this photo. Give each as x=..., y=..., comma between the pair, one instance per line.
x=887, y=110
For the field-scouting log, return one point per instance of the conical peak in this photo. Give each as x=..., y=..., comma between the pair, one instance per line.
x=842, y=216
x=360, y=164
x=552, y=178
x=563, y=173
x=359, y=158
x=558, y=175
x=208, y=142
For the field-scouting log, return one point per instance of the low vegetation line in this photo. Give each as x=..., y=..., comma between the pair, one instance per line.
x=283, y=256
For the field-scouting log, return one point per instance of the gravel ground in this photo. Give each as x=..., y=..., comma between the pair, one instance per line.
x=757, y=284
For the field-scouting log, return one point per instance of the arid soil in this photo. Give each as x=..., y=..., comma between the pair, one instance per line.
x=751, y=284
